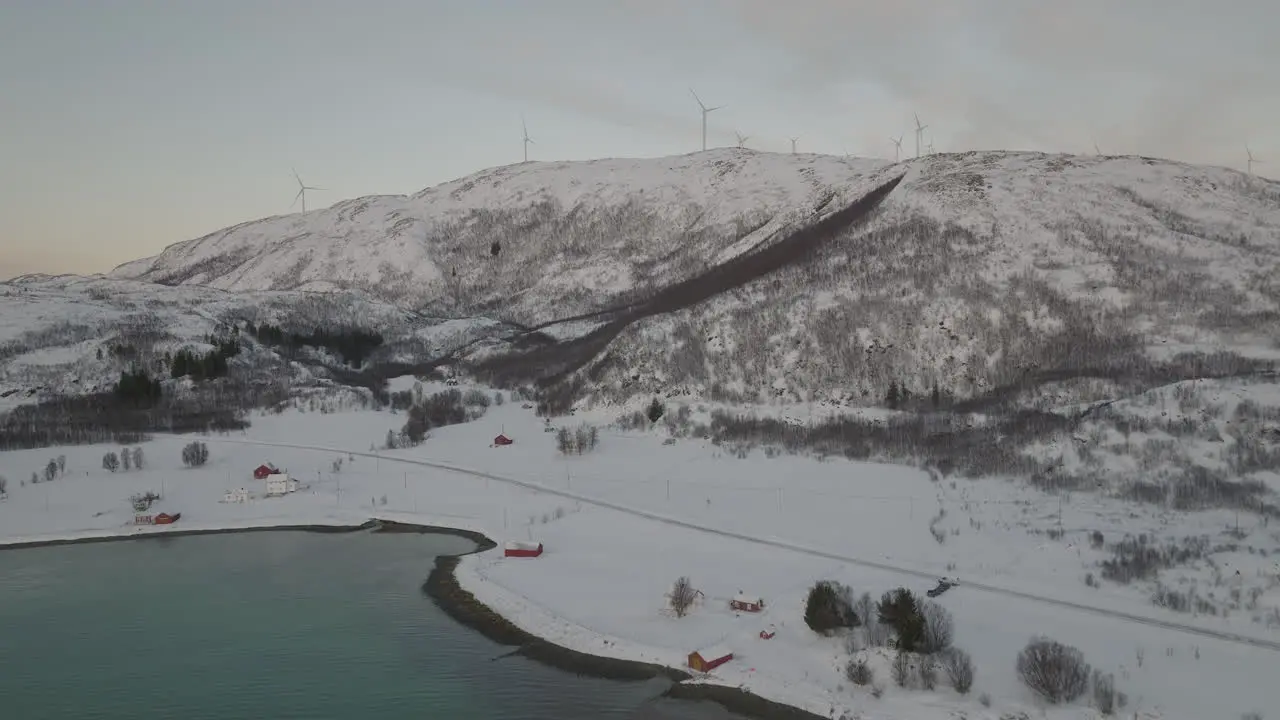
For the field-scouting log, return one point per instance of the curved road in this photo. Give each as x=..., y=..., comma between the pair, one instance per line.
x=784, y=545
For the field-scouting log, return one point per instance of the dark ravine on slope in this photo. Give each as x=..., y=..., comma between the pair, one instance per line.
x=554, y=361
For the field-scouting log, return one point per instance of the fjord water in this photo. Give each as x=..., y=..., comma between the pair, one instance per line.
x=270, y=625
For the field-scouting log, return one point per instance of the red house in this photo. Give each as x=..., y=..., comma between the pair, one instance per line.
x=742, y=603
x=263, y=471
x=515, y=548
x=502, y=440
x=709, y=659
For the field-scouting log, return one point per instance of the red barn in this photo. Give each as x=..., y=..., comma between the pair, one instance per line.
x=742, y=603
x=502, y=440
x=709, y=659
x=515, y=548
x=263, y=471
x=166, y=518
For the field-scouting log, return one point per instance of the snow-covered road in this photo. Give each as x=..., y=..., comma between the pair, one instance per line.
x=785, y=545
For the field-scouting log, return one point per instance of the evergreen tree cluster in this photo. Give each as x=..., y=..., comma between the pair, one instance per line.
x=353, y=346
x=210, y=365
x=829, y=607
x=137, y=388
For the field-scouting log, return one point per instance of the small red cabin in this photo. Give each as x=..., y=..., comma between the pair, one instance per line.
x=709, y=659
x=742, y=603
x=263, y=471
x=502, y=440
x=166, y=518
x=516, y=548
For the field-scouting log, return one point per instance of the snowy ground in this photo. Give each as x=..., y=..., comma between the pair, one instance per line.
x=620, y=524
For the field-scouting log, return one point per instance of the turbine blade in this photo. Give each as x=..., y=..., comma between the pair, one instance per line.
x=695, y=97
x=296, y=177
x=295, y=197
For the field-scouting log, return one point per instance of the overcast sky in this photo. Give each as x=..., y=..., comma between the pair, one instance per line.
x=126, y=125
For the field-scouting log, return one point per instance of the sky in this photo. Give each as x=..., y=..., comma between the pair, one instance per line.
x=128, y=125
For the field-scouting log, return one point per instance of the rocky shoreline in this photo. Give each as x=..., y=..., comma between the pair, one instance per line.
x=443, y=588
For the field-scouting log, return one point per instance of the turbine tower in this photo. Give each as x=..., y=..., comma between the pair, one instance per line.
x=919, y=133
x=1252, y=161
x=742, y=139
x=705, y=111
x=897, y=148
x=527, y=140
x=302, y=192
x=1096, y=151
x=793, y=144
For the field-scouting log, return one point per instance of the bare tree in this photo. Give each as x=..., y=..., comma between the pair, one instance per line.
x=1057, y=672
x=62, y=464
x=939, y=628
x=901, y=668
x=682, y=596
x=928, y=673
x=564, y=441
x=137, y=458
x=1104, y=692
x=4, y=485
x=959, y=668
x=51, y=470
x=110, y=462
x=126, y=459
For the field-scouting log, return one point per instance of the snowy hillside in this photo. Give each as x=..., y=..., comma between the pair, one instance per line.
x=71, y=335
x=571, y=233
x=977, y=269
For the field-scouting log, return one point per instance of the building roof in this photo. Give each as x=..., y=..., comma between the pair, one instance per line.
x=522, y=545
x=715, y=652
x=746, y=599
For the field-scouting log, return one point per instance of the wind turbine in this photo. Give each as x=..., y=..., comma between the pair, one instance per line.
x=897, y=147
x=527, y=140
x=302, y=192
x=1252, y=161
x=919, y=133
x=1096, y=151
x=742, y=139
x=705, y=110
x=793, y=144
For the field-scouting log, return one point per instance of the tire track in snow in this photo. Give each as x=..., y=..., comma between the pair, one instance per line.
x=1264, y=643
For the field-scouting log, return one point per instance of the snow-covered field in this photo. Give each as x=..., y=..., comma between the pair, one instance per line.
x=620, y=524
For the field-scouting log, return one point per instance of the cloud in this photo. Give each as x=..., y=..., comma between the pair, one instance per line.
x=1178, y=78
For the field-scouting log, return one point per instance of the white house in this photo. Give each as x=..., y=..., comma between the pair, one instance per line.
x=281, y=484
x=239, y=495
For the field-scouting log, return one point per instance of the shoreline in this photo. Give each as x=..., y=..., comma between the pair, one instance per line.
x=457, y=602
x=443, y=588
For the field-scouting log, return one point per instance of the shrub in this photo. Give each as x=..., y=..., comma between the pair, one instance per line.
x=195, y=454
x=828, y=607
x=859, y=672
x=959, y=668
x=1057, y=672
x=928, y=673
x=110, y=462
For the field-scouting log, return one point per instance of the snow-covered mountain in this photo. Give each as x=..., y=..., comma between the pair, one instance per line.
x=977, y=269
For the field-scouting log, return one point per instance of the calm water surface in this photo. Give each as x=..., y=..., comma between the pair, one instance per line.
x=267, y=626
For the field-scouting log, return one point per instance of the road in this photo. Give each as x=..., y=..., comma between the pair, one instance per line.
x=1273, y=645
